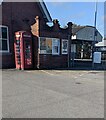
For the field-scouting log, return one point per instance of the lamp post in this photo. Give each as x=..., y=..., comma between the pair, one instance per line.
x=69, y=42
x=69, y=51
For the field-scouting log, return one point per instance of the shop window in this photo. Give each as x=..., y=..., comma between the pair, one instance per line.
x=55, y=46
x=4, y=43
x=43, y=46
x=49, y=46
x=64, y=46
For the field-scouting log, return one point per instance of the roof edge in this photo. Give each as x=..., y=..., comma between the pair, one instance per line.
x=45, y=10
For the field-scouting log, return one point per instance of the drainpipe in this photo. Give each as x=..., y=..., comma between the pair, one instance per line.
x=38, y=35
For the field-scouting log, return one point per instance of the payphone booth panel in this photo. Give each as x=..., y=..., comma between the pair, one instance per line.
x=27, y=50
x=23, y=50
x=17, y=51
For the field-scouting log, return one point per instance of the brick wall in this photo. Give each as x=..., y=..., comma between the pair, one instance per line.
x=53, y=61
x=7, y=60
x=49, y=60
x=17, y=16
x=28, y=17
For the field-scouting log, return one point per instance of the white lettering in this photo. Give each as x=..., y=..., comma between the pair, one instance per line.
x=26, y=35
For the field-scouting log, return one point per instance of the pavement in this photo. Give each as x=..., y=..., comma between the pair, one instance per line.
x=52, y=94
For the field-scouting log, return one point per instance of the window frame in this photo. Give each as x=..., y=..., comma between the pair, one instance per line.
x=62, y=47
x=52, y=53
x=8, y=50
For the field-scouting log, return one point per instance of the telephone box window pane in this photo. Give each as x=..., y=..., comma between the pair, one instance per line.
x=49, y=45
x=4, y=32
x=28, y=51
x=4, y=45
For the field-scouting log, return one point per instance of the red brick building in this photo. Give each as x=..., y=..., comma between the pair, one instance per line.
x=50, y=44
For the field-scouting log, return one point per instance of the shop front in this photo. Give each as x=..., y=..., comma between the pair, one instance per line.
x=83, y=38
x=83, y=49
x=53, y=52
x=51, y=45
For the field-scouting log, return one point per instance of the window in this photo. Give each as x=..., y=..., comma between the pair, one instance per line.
x=4, y=43
x=55, y=46
x=49, y=46
x=64, y=46
x=43, y=46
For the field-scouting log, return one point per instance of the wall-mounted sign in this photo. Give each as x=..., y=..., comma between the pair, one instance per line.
x=97, y=57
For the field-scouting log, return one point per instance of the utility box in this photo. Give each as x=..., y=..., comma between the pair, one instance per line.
x=23, y=50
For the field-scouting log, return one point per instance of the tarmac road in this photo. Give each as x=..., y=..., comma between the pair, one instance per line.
x=52, y=94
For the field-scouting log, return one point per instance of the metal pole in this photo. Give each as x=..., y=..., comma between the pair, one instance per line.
x=69, y=51
x=69, y=43
x=93, y=43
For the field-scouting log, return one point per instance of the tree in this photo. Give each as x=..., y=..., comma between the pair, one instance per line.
x=75, y=25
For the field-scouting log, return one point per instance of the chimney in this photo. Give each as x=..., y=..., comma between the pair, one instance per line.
x=56, y=24
x=70, y=28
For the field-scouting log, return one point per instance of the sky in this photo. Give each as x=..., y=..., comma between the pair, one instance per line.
x=81, y=13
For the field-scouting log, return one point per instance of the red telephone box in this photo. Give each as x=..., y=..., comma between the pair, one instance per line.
x=23, y=50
